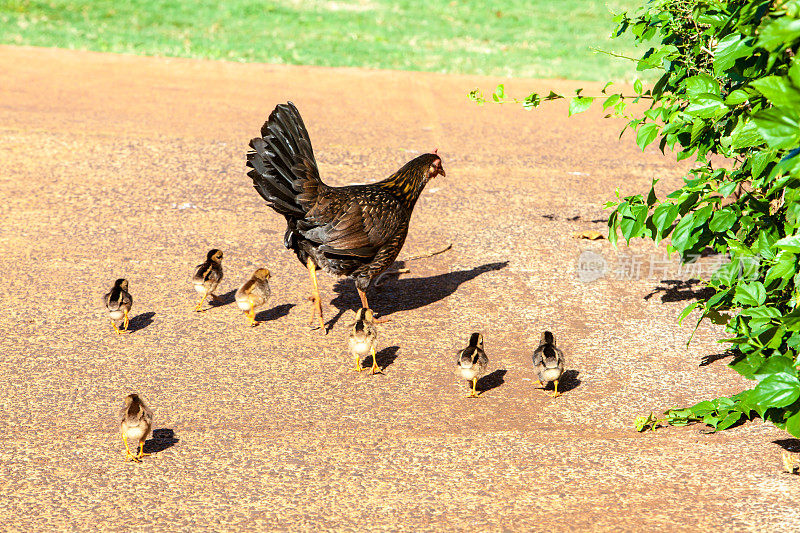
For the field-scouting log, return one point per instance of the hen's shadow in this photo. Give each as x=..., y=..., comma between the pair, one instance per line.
x=141, y=321
x=490, y=381
x=160, y=441
x=279, y=311
x=406, y=294
x=384, y=358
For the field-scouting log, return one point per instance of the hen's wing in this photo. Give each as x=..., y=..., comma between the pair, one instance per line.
x=355, y=221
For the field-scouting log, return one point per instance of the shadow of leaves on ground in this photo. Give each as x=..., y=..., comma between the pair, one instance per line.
x=678, y=290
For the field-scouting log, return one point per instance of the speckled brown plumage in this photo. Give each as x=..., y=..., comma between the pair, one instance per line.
x=354, y=231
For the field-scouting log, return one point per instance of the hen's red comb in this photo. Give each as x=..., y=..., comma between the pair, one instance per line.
x=436, y=151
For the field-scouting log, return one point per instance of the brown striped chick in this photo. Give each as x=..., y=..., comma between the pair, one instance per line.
x=472, y=362
x=137, y=423
x=118, y=301
x=548, y=362
x=363, y=339
x=254, y=293
x=207, y=276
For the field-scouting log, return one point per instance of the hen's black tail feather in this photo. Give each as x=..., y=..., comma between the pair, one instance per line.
x=284, y=171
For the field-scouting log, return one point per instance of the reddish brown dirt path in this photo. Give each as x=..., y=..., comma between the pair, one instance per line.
x=122, y=166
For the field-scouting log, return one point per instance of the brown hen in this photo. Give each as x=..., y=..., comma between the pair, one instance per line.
x=354, y=231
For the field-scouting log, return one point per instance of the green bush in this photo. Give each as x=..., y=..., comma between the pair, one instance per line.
x=729, y=86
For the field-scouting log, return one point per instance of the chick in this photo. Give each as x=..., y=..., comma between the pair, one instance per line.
x=363, y=338
x=471, y=362
x=118, y=302
x=207, y=276
x=254, y=293
x=548, y=361
x=790, y=462
x=137, y=423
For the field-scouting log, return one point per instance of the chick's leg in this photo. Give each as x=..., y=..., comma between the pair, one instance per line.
x=375, y=369
x=199, y=305
x=365, y=305
x=114, y=325
x=141, y=451
x=316, y=299
x=128, y=455
x=252, y=316
x=473, y=394
x=125, y=323
x=357, y=368
x=555, y=389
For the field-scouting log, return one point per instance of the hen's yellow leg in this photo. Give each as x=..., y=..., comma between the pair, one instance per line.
x=365, y=305
x=317, y=300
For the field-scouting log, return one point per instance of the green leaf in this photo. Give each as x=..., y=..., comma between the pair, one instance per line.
x=793, y=425
x=729, y=49
x=723, y=220
x=637, y=86
x=647, y=133
x=774, y=365
x=778, y=90
x=701, y=84
x=739, y=96
x=780, y=128
x=499, y=93
x=778, y=33
x=682, y=235
x=784, y=268
x=746, y=134
x=611, y=100
x=663, y=217
x=706, y=105
x=751, y=294
x=579, y=104
x=790, y=243
x=686, y=310
x=777, y=390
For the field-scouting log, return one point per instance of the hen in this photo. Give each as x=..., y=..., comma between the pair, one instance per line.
x=356, y=230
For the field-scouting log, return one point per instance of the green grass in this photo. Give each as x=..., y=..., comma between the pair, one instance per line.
x=534, y=38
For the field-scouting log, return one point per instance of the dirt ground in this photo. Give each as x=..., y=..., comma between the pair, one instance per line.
x=115, y=166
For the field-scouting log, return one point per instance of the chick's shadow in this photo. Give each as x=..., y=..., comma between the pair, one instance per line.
x=160, y=441
x=223, y=299
x=569, y=380
x=141, y=321
x=384, y=358
x=491, y=381
x=279, y=311
x=406, y=294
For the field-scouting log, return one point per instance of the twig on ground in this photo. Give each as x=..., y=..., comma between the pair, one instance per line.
x=379, y=280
